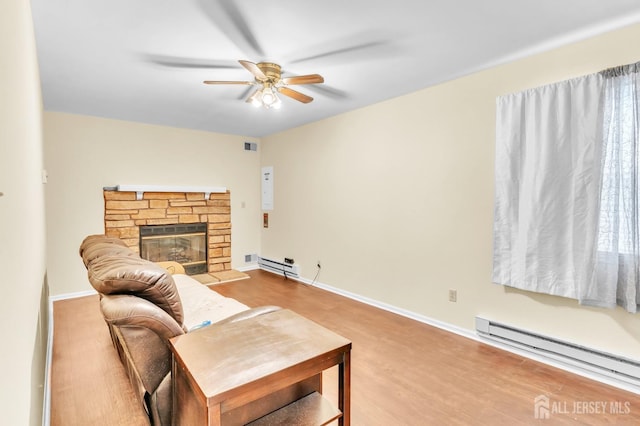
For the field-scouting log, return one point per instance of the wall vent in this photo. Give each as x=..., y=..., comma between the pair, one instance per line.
x=250, y=258
x=590, y=359
x=279, y=267
x=250, y=146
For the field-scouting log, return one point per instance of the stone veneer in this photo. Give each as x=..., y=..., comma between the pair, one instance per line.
x=123, y=215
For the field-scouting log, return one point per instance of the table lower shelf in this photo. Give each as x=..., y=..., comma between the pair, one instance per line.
x=312, y=410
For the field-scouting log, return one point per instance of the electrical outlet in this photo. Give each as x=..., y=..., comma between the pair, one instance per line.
x=453, y=295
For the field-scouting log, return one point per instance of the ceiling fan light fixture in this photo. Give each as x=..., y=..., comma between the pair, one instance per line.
x=256, y=98
x=277, y=103
x=268, y=96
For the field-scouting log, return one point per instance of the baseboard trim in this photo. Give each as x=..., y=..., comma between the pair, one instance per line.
x=46, y=406
x=533, y=355
x=394, y=309
x=246, y=268
x=74, y=295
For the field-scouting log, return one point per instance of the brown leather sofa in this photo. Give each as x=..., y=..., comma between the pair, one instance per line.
x=144, y=306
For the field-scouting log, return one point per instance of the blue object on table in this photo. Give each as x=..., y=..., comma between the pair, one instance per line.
x=202, y=324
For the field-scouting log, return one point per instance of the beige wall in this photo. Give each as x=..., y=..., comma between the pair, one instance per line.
x=396, y=200
x=83, y=154
x=23, y=326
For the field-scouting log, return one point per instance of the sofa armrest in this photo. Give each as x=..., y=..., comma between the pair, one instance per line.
x=143, y=331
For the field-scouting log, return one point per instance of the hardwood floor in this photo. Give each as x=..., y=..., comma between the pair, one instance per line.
x=88, y=382
x=403, y=372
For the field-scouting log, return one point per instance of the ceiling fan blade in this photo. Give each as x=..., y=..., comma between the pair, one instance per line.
x=182, y=62
x=341, y=51
x=329, y=92
x=304, y=79
x=227, y=82
x=225, y=15
x=359, y=47
x=301, y=97
x=254, y=69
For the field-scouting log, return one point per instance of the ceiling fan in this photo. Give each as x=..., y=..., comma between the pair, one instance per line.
x=268, y=78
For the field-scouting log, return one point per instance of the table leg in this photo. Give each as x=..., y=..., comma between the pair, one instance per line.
x=344, y=390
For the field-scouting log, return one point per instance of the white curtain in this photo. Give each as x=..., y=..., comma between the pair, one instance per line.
x=554, y=154
x=618, y=272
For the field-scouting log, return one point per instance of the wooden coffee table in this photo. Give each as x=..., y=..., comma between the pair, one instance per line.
x=266, y=369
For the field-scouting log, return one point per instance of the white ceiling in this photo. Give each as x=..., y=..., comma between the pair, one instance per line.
x=145, y=60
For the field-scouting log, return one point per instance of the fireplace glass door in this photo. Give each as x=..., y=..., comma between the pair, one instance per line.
x=183, y=243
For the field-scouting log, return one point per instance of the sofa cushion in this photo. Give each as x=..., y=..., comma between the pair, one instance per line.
x=139, y=277
x=201, y=304
x=172, y=267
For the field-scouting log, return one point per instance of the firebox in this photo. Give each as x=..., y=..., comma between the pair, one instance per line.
x=183, y=243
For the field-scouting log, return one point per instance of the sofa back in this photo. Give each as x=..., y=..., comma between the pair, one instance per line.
x=95, y=246
x=114, y=269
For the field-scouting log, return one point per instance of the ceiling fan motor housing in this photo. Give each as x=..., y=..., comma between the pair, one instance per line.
x=271, y=70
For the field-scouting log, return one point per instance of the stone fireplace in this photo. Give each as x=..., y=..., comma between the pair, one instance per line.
x=125, y=212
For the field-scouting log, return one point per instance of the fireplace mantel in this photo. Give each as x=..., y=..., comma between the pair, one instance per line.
x=141, y=189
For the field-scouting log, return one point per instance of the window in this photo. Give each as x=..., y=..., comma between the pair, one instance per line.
x=567, y=189
x=618, y=224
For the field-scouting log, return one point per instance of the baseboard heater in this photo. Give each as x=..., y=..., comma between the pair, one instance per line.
x=590, y=359
x=282, y=268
